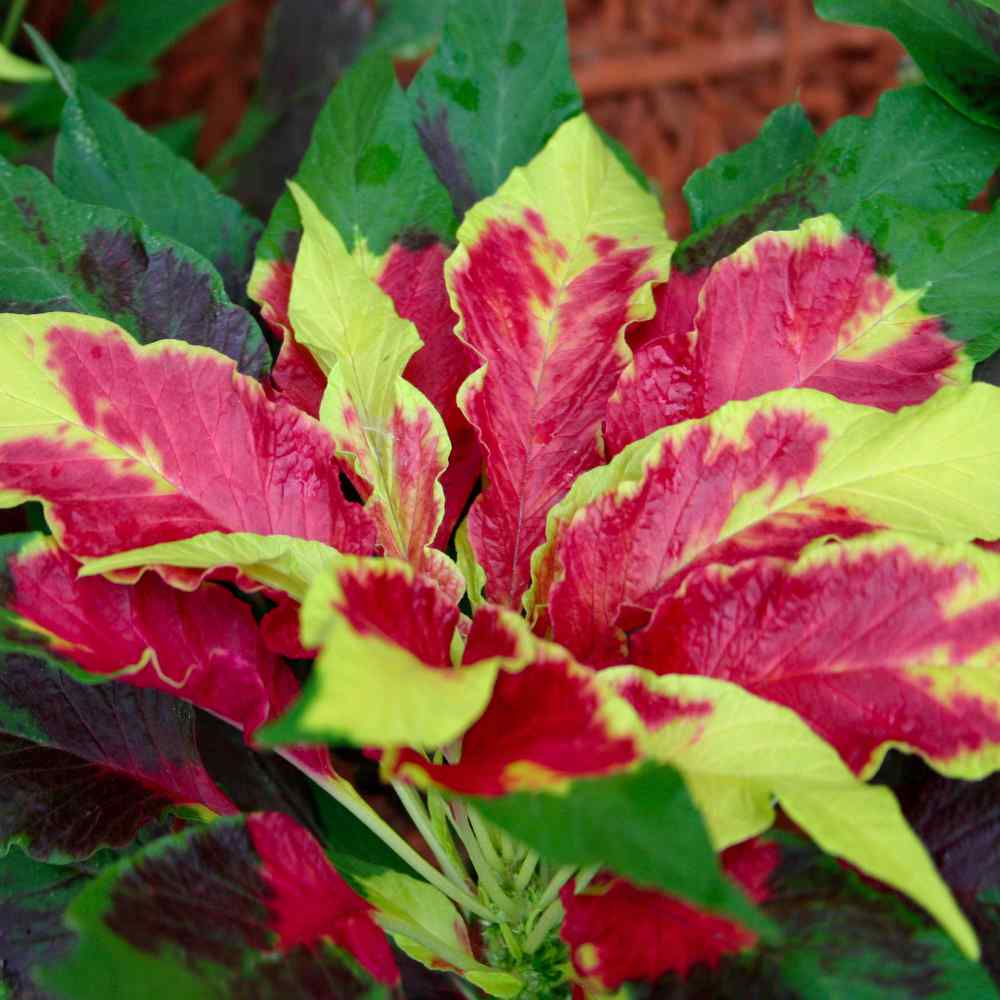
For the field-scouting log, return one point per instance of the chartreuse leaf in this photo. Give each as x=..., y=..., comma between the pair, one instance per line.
x=277, y=561
x=368, y=648
x=33, y=898
x=841, y=938
x=956, y=45
x=58, y=254
x=914, y=148
x=926, y=679
x=397, y=441
x=276, y=920
x=102, y=158
x=768, y=476
x=135, y=447
x=739, y=753
x=618, y=822
x=548, y=273
x=14, y=69
x=498, y=85
x=426, y=925
x=364, y=170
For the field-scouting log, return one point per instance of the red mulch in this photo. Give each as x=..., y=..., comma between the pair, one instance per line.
x=678, y=81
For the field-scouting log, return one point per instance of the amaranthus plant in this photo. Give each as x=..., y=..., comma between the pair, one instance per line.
x=562, y=609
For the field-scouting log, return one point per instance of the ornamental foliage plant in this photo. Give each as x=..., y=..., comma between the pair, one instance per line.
x=539, y=608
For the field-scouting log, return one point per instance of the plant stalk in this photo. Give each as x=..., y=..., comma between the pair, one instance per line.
x=546, y=923
x=360, y=809
x=422, y=821
x=12, y=22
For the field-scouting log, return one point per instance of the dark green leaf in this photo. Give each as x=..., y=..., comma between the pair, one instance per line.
x=736, y=179
x=841, y=938
x=104, y=159
x=33, y=898
x=364, y=167
x=57, y=254
x=408, y=28
x=956, y=255
x=956, y=45
x=497, y=87
x=914, y=148
x=619, y=822
x=181, y=135
x=309, y=45
x=191, y=914
x=137, y=31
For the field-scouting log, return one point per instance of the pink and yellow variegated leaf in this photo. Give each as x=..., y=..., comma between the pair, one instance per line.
x=739, y=754
x=309, y=901
x=129, y=446
x=761, y=477
x=295, y=377
x=388, y=672
x=882, y=641
x=413, y=277
x=395, y=439
x=277, y=562
x=616, y=931
x=548, y=273
x=657, y=387
x=548, y=720
x=203, y=646
x=414, y=280
x=810, y=307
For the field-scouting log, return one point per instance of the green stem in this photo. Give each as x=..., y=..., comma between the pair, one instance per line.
x=360, y=809
x=585, y=877
x=415, y=809
x=551, y=891
x=485, y=837
x=546, y=923
x=487, y=877
x=13, y=22
x=527, y=869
